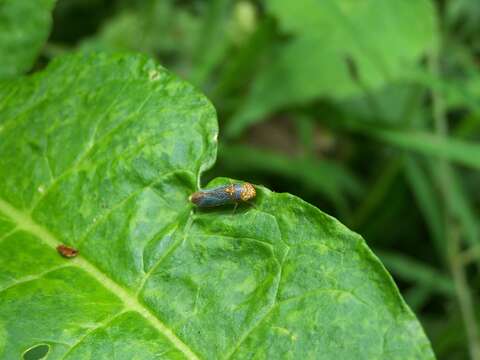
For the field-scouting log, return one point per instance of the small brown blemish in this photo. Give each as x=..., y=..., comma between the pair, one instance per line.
x=67, y=251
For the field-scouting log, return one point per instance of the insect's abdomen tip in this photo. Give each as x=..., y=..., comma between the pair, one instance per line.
x=195, y=197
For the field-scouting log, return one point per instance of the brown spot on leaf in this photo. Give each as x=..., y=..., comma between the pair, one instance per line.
x=67, y=251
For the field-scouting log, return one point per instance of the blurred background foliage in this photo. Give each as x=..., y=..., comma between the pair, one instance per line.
x=368, y=109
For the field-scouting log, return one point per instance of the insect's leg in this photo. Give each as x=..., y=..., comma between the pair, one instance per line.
x=251, y=204
x=235, y=208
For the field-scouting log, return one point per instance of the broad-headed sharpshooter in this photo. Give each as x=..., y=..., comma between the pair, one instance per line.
x=222, y=195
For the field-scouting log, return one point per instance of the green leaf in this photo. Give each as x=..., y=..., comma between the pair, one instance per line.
x=212, y=40
x=193, y=42
x=24, y=28
x=154, y=27
x=101, y=153
x=382, y=39
x=459, y=151
x=428, y=201
x=464, y=17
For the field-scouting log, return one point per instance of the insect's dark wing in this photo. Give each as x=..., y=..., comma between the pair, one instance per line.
x=211, y=198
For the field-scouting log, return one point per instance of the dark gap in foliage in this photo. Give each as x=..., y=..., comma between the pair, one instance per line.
x=74, y=20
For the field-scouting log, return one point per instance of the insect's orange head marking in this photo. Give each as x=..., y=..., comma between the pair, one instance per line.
x=248, y=192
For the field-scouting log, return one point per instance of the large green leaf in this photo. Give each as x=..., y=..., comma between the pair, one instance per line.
x=383, y=40
x=101, y=153
x=24, y=27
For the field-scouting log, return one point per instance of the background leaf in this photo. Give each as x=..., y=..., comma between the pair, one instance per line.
x=339, y=49
x=101, y=153
x=459, y=151
x=24, y=28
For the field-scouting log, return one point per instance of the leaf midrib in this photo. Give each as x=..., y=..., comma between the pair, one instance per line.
x=26, y=223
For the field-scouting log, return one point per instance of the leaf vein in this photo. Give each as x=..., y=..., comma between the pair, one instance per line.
x=103, y=324
x=107, y=213
x=87, y=151
x=30, y=278
x=7, y=234
x=263, y=243
x=26, y=223
x=172, y=248
x=264, y=316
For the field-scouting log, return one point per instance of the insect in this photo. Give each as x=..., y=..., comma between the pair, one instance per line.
x=67, y=251
x=222, y=195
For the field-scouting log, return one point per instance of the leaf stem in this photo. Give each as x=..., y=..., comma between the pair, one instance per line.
x=463, y=292
x=452, y=230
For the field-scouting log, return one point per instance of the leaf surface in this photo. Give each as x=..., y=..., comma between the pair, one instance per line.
x=101, y=153
x=24, y=27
